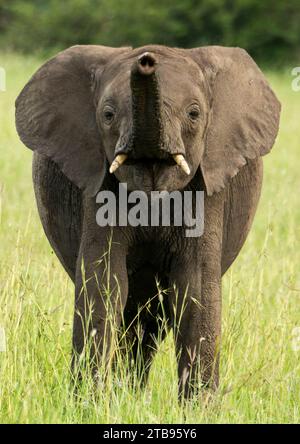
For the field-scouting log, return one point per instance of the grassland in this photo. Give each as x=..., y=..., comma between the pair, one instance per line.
x=260, y=367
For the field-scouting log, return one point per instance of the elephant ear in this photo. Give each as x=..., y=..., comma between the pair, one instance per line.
x=244, y=114
x=55, y=114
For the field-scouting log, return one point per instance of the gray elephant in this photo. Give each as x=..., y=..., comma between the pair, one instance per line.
x=157, y=119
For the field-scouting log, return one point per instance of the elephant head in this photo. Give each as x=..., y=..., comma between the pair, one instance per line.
x=154, y=115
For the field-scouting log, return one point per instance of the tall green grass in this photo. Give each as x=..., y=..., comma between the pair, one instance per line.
x=260, y=369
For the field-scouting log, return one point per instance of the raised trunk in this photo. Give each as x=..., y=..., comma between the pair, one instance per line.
x=146, y=108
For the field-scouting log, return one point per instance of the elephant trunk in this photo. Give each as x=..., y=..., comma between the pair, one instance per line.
x=147, y=140
x=146, y=107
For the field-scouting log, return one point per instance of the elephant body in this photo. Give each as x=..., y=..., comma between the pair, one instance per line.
x=60, y=207
x=157, y=119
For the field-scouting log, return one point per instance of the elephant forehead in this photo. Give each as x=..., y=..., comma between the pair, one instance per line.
x=178, y=77
x=170, y=62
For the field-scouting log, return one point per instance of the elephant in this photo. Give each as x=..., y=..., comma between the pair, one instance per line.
x=158, y=119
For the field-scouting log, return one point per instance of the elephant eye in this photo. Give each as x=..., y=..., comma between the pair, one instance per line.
x=194, y=113
x=108, y=115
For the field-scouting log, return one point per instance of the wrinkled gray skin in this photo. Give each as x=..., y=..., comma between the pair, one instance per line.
x=87, y=104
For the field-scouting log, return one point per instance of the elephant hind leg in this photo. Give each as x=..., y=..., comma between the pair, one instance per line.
x=154, y=333
x=145, y=324
x=139, y=348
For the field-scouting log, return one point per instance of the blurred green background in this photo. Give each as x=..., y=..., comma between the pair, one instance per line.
x=268, y=29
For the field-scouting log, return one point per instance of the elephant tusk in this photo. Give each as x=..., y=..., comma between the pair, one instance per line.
x=119, y=159
x=180, y=160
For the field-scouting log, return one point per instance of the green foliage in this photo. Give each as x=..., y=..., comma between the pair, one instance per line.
x=268, y=30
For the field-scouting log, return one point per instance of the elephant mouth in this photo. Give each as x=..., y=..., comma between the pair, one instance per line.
x=150, y=173
x=151, y=163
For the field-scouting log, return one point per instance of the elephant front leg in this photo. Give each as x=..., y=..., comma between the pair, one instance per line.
x=196, y=304
x=100, y=296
